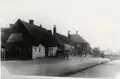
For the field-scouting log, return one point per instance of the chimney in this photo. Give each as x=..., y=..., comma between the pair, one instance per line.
x=76, y=32
x=49, y=31
x=40, y=25
x=68, y=33
x=31, y=21
x=11, y=25
x=54, y=30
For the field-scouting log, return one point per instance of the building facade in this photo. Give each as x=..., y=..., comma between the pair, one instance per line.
x=25, y=40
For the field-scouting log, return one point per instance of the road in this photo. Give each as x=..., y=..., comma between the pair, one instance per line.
x=107, y=70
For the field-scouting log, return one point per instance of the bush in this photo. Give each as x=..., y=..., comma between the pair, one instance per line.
x=96, y=52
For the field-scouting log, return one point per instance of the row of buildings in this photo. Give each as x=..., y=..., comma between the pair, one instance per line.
x=25, y=40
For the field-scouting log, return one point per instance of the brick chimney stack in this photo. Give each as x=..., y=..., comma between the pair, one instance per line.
x=68, y=33
x=40, y=25
x=76, y=32
x=31, y=21
x=54, y=30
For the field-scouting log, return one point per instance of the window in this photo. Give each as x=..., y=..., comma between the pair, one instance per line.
x=39, y=49
x=35, y=49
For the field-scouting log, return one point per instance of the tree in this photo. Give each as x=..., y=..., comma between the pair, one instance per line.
x=96, y=52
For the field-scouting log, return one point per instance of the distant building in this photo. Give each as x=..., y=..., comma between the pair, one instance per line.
x=62, y=42
x=81, y=45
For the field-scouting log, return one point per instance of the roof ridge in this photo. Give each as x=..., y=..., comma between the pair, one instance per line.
x=78, y=38
x=28, y=23
x=33, y=25
x=61, y=34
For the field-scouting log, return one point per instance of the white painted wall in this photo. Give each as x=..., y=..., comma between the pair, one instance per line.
x=67, y=46
x=38, y=51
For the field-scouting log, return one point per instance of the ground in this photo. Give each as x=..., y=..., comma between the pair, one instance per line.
x=51, y=66
x=107, y=70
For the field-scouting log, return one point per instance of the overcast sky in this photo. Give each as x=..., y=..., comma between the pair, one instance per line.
x=98, y=21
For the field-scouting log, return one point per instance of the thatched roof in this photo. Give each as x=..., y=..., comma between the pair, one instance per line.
x=15, y=38
x=76, y=38
x=38, y=34
x=62, y=39
x=5, y=33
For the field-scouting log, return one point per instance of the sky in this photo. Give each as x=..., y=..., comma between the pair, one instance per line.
x=97, y=21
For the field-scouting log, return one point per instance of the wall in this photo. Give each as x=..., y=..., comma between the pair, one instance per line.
x=67, y=46
x=78, y=48
x=52, y=51
x=38, y=51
